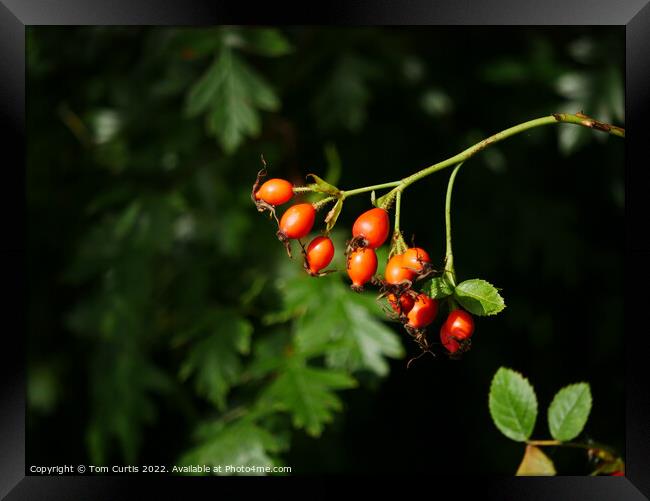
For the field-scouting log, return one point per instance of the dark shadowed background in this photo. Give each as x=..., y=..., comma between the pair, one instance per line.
x=167, y=325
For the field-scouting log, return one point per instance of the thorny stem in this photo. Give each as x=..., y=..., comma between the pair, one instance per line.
x=449, y=255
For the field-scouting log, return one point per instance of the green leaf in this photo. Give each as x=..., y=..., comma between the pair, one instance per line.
x=569, y=411
x=239, y=443
x=479, y=297
x=266, y=42
x=364, y=343
x=535, y=463
x=513, y=404
x=231, y=93
x=438, y=288
x=198, y=41
x=323, y=186
x=340, y=324
x=307, y=394
x=214, y=358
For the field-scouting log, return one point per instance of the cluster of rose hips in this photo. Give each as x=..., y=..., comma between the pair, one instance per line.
x=416, y=310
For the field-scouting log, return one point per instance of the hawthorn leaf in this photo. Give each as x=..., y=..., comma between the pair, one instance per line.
x=214, y=358
x=239, y=443
x=307, y=394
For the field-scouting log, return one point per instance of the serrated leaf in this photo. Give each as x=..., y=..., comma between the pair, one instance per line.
x=307, y=394
x=240, y=443
x=535, y=463
x=365, y=343
x=266, y=42
x=340, y=324
x=231, y=93
x=323, y=186
x=438, y=288
x=479, y=297
x=198, y=41
x=513, y=404
x=214, y=357
x=569, y=411
x=333, y=215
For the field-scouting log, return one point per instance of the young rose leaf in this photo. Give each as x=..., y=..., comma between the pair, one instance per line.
x=479, y=297
x=323, y=186
x=569, y=411
x=535, y=462
x=513, y=404
x=438, y=288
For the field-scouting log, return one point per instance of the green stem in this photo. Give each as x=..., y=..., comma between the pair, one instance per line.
x=398, y=205
x=318, y=205
x=568, y=118
x=449, y=254
x=398, y=245
x=350, y=193
x=576, y=119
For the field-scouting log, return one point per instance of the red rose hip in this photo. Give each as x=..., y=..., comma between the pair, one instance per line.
x=275, y=191
x=319, y=254
x=373, y=225
x=297, y=221
x=423, y=312
x=362, y=265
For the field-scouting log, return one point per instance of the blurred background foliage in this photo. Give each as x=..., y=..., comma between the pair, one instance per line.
x=166, y=324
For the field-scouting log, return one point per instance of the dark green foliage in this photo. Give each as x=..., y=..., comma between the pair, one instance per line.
x=167, y=324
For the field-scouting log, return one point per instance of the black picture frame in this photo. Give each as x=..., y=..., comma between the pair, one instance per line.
x=15, y=15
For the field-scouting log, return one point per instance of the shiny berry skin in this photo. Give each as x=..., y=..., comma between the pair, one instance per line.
x=423, y=312
x=458, y=327
x=275, y=191
x=396, y=272
x=414, y=258
x=460, y=324
x=297, y=221
x=320, y=252
x=447, y=340
x=373, y=225
x=362, y=265
x=406, y=302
